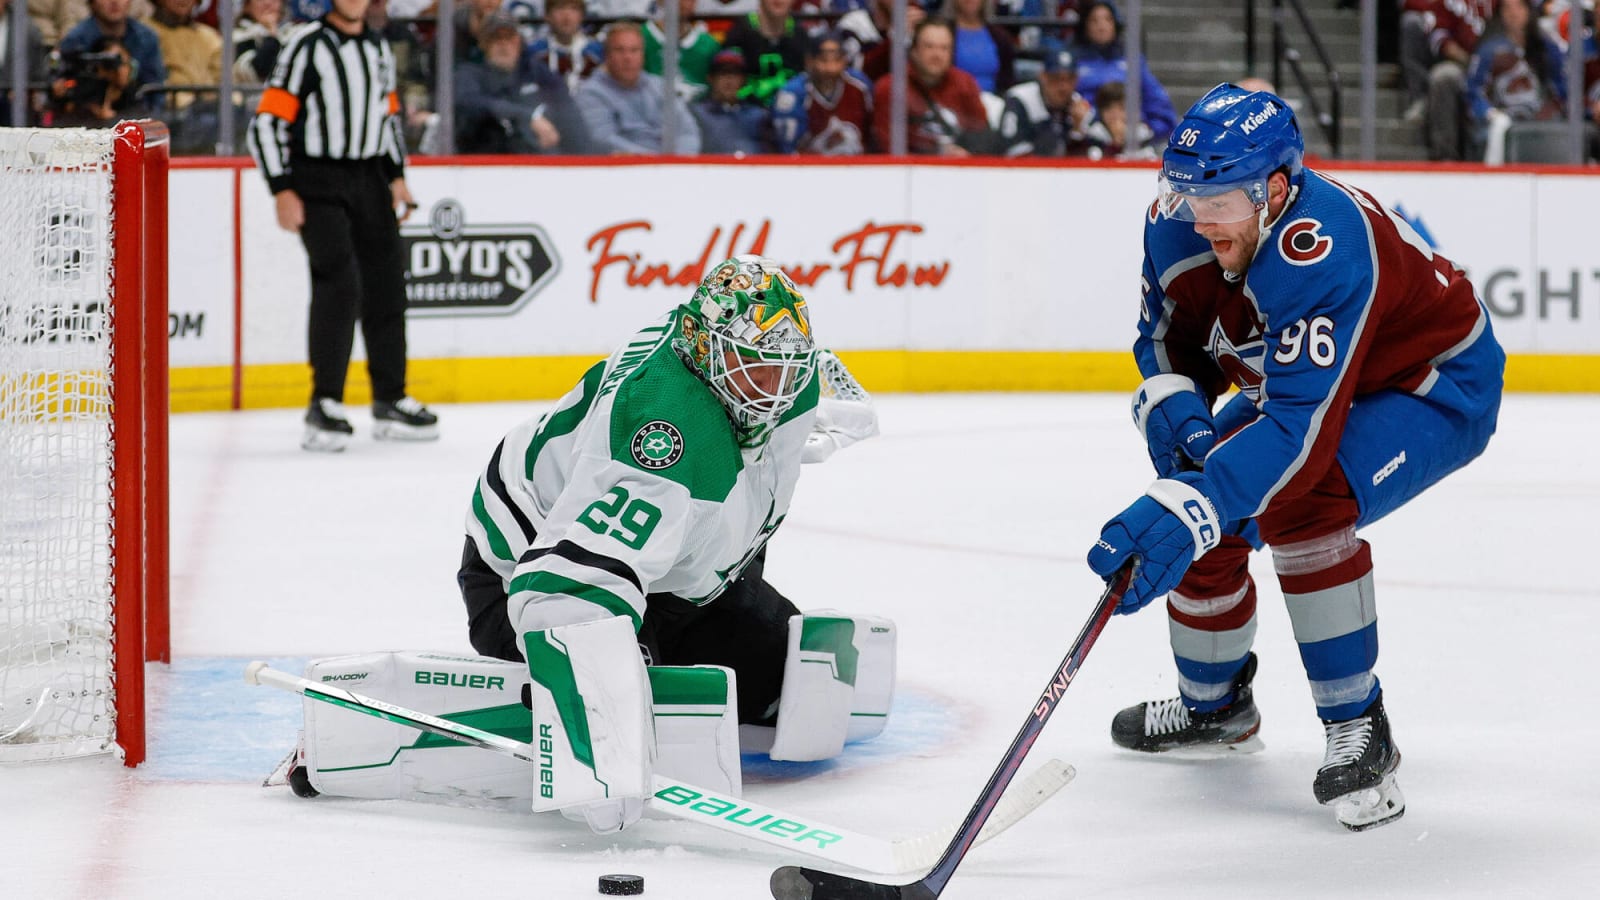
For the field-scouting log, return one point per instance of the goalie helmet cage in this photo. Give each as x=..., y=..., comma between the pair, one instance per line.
x=83, y=437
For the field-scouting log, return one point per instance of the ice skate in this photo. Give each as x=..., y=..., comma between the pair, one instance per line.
x=1161, y=726
x=405, y=419
x=327, y=429
x=1357, y=774
x=291, y=770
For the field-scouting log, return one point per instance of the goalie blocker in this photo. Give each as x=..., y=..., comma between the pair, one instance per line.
x=838, y=687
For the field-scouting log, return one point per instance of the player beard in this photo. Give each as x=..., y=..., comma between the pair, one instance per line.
x=1234, y=248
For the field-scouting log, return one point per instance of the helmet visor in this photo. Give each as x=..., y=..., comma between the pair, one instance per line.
x=1212, y=205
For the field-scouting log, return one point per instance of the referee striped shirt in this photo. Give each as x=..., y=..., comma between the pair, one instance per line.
x=332, y=96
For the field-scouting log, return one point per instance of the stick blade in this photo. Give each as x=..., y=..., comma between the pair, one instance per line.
x=799, y=883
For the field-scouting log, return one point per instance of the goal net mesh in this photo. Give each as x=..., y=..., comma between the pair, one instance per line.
x=56, y=613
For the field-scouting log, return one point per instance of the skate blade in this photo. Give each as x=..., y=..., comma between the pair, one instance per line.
x=1370, y=808
x=1251, y=744
x=280, y=774
x=319, y=441
x=394, y=431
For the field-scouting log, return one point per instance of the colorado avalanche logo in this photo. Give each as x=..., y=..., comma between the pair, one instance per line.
x=1243, y=361
x=1302, y=242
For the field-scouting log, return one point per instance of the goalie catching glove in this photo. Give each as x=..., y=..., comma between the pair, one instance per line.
x=845, y=413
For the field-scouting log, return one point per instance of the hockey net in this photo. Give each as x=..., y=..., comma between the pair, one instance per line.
x=82, y=437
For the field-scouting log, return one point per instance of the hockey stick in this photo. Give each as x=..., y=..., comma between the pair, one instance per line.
x=797, y=883
x=685, y=801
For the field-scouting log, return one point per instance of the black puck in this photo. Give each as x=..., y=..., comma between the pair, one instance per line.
x=621, y=885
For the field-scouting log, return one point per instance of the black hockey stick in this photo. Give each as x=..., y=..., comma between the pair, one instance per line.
x=800, y=883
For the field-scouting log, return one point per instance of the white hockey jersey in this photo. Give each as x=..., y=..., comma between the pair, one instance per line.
x=633, y=484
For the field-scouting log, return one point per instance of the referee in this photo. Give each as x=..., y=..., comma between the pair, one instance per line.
x=327, y=136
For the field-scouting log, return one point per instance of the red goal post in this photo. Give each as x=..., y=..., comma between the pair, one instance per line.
x=83, y=437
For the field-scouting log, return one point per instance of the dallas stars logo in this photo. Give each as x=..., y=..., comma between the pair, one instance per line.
x=657, y=445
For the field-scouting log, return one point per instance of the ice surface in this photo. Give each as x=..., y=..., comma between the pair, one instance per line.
x=966, y=522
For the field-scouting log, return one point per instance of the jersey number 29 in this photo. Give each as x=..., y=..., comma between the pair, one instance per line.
x=630, y=523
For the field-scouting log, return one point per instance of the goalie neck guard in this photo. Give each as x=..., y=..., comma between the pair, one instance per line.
x=747, y=333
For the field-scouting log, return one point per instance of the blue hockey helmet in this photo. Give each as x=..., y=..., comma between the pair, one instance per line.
x=1231, y=139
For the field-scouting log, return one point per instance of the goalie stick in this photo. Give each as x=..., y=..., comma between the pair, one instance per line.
x=796, y=833
x=798, y=883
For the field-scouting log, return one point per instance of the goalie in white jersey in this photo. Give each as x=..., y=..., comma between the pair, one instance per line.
x=628, y=526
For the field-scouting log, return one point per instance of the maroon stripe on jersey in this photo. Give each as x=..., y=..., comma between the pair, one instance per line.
x=1347, y=572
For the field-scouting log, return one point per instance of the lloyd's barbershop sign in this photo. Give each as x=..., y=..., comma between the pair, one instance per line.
x=874, y=255
x=454, y=267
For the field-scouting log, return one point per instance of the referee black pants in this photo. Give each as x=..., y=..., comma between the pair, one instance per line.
x=357, y=273
x=745, y=629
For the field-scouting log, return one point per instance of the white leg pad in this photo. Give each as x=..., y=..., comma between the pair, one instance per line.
x=591, y=714
x=696, y=714
x=838, y=684
x=349, y=755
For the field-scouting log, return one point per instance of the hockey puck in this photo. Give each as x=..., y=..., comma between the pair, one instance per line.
x=621, y=885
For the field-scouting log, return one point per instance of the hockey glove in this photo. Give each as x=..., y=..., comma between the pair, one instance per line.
x=1175, y=523
x=1175, y=421
x=839, y=424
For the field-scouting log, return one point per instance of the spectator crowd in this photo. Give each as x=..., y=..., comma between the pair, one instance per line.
x=754, y=77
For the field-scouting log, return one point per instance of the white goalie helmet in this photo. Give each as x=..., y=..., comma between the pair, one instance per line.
x=747, y=333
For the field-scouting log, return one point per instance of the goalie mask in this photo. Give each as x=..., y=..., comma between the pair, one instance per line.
x=746, y=332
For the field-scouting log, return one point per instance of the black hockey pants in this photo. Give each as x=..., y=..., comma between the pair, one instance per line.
x=746, y=629
x=357, y=272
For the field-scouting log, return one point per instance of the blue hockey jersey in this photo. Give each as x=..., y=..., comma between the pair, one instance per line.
x=1342, y=300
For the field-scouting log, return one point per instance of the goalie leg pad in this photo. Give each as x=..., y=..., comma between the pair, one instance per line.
x=349, y=755
x=838, y=684
x=591, y=715
x=697, y=726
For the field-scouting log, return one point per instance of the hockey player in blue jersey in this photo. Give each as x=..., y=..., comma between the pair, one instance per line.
x=1365, y=369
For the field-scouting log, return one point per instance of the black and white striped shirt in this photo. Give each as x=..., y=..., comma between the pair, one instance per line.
x=332, y=96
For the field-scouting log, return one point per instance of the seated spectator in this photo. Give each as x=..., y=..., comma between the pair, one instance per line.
x=511, y=104
x=696, y=47
x=469, y=18
x=986, y=52
x=566, y=49
x=1107, y=131
x=944, y=110
x=1047, y=116
x=257, y=40
x=865, y=31
x=35, y=58
x=193, y=54
x=1101, y=58
x=104, y=91
x=1438, y=38
x=773, y=45
x=191, y=50
x=729, y=122
x=414, y=79
x=623, y=105
x=109, y=19
x=55, y=18
x=1515, y=76
x=827, y=110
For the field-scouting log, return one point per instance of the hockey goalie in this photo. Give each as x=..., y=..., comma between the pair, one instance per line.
x=613, y=581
